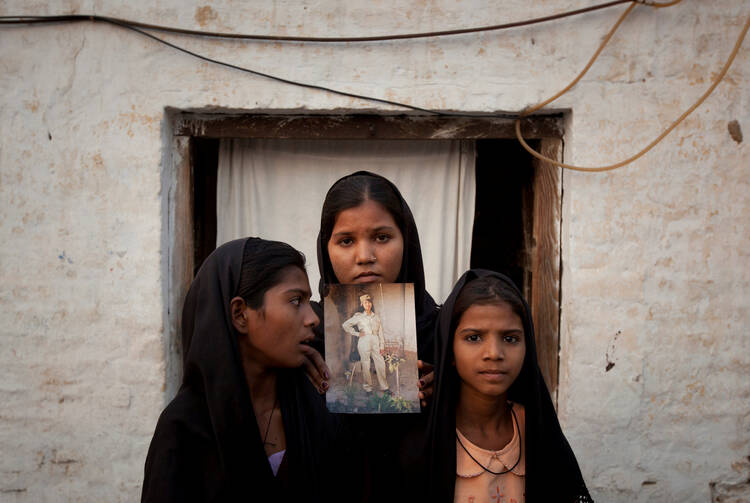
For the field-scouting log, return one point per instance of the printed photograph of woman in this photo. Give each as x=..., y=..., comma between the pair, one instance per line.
x=371, y=329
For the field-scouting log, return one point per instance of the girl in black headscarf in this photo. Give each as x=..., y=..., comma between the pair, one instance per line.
x=491, y=423
x=368, y=235
x=246, y=424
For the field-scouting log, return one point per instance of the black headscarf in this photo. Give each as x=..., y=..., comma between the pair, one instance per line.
x=207, y=445
x=552, y=472
x=380, y=435
x=412, y=269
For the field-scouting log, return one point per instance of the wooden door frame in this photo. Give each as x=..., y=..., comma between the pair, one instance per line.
x=543, y=242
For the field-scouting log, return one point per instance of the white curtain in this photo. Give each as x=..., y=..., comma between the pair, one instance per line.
x=275, y=189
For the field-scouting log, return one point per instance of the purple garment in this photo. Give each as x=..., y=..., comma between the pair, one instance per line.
x=275, y=461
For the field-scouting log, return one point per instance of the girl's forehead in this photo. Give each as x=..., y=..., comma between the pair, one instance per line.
x=496, y=313
x=369, y=209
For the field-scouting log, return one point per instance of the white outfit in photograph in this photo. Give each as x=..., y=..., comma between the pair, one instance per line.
x=369, y=346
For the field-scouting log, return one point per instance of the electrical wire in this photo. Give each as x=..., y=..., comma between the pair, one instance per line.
x=283, y=38
x=659, y=138
x=509, y=115
x=141, y=29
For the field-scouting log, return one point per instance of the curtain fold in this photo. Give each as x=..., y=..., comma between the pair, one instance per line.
x=275, y=189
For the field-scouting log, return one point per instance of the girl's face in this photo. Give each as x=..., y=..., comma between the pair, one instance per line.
x=279, y=330
x=366, y=245
x=489, y=349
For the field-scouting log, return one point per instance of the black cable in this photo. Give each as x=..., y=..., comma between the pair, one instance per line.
x=311, y=86
x=282, y=38
x=141, y=27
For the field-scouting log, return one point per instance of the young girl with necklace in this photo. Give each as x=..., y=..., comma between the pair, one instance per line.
x=247, y=424
x=492, y=432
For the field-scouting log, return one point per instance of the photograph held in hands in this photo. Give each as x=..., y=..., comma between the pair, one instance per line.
x=371, y=348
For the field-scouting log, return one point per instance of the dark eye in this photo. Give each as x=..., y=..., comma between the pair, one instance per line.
x=296, y=301
x=512, y=339
x=473, y=338
x=345, y=241
x=382, y=238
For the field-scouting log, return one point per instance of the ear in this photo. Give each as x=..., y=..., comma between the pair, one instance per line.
x=238, y=308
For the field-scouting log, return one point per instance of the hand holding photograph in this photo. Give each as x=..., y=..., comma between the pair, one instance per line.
x=371, y=329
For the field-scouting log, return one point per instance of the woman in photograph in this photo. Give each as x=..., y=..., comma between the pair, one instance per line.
x=247, y=424
x=492, y=432
x=370, y=343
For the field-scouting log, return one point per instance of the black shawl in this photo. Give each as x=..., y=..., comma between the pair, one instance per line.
x=412, y=271
x=552, y=472
x=379, y=436
x=207, y=445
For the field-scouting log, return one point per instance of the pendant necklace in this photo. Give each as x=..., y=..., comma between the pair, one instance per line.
x=520, y=448
x=268, y=426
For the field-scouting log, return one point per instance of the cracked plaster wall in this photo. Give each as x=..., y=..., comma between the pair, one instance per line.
x=655, y=354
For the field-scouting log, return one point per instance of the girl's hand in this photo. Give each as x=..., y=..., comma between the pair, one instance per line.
x=427, y=375
x=316, y=369
x=361, y=333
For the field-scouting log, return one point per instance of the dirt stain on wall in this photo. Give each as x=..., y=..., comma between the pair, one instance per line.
x=735, y=131
x=205, y=15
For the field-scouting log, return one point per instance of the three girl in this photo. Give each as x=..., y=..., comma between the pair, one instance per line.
x=491, y=432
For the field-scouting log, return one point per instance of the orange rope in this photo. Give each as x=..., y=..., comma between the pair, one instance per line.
x=661, y=5
x=567, y=88
x=651, y=145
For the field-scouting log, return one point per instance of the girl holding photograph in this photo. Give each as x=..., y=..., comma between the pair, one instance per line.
x=368, y=235
x=492, y=432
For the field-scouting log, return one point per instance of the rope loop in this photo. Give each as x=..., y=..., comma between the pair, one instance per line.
x=529, y=110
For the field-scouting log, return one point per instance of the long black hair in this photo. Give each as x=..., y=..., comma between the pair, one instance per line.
x=263, y=263
x=484, y=291
x=350, y=192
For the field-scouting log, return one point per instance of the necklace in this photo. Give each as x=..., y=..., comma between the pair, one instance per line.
x=268, y=426
x=520, y=448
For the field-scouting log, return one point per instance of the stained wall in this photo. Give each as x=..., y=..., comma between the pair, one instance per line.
x=654, y=358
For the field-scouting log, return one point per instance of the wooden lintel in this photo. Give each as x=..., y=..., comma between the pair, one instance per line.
x=363, y=127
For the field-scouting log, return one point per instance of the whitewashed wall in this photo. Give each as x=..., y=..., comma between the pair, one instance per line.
x=656, y=268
